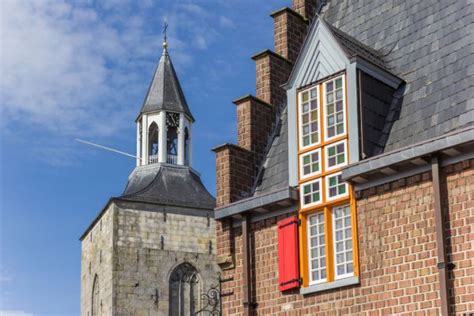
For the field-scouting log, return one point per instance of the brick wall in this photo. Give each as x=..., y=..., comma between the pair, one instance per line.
x=397, y=251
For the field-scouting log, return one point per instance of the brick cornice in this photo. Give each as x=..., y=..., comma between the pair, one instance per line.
x=269, y=52
x=288, y=10
x=229, y=146
x=251, y=98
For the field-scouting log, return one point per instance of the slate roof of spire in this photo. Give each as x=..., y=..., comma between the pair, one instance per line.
x=168, y=185
x=165, y=91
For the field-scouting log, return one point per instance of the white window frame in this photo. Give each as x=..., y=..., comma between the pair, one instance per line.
x=328, y=198
x=333, y=218
x=302, y=175
x=326, y=155
x=311, y=281
x=300, y=117
x=321, y=192
x=344, y=102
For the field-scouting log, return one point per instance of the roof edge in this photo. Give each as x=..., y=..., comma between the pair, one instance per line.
x=247, y=97
x=254, y=202
x=289, y=10
x=427, y=147
x=97, y=218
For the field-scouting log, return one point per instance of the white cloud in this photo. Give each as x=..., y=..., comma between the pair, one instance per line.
x=226, y=22
x=14, y=313
x=67, y=68
x=54, y=64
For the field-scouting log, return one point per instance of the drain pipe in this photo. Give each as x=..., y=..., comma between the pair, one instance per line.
x=443, y=266
x=246, y=276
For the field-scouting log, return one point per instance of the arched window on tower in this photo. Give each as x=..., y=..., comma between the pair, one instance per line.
x=184, y=291
x=153, y=143
x=172, y=123
x=95, y=308
x=186, y=146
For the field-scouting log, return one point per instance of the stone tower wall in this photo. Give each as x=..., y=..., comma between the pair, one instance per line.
x=96, y=259
x=144, y=260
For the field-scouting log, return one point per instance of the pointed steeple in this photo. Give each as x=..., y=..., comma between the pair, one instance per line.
x=165, y=93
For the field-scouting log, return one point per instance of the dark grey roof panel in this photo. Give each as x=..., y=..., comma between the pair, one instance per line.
x=165, y=92
x=430, y=45
x=353, y=47
x=274, y=171
x=168, y=185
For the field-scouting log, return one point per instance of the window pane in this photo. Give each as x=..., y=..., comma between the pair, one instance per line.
x=334, y=105
x=336, y=187
x=336, y=154
x=311, y=192
x=343, y=237
x=317, y=254
x=310, y=163
x=309, y=117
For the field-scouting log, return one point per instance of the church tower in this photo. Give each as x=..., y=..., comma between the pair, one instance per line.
x=151, y=250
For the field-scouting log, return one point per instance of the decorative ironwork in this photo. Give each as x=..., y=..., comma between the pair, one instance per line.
x=211, y=301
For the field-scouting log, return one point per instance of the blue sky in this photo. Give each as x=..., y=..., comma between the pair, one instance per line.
x=80, y=70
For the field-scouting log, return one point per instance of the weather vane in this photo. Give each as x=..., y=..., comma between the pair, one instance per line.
x=165, y=27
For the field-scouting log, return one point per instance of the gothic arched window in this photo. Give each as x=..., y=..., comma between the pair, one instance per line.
x=184, y=291
x=153, y=143
x=95, y=308
x=172, y=123
x=186, y=146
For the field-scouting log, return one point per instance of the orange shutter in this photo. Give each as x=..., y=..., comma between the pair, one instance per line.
x=288, y=263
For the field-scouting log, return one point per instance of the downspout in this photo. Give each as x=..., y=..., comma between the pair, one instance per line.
x=247, y=281
x=443, y=266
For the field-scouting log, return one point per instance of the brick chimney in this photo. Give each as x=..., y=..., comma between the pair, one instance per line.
x=306, y=8
x=289, y=32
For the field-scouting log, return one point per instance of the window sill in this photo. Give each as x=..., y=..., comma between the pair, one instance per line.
x=329, y=286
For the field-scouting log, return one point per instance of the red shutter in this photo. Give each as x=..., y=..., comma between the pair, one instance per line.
x=288, y=260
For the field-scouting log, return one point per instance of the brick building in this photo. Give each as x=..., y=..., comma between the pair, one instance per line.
x=351, y=187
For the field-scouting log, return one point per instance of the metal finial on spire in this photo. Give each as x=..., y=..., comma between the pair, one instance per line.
x=165, y=41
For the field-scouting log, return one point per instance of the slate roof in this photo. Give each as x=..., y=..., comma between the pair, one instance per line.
x=353, y=47
x=165, y=91
x=273, y=174
x=429, y=44
x=168, y=185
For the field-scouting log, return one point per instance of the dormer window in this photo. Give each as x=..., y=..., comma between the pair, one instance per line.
x=326, y=209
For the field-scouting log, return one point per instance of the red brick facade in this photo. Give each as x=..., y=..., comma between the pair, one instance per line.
x=397, y=251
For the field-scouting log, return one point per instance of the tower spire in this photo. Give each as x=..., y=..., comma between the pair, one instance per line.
x=165, y=39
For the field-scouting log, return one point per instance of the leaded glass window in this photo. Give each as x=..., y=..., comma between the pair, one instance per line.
x=184, y=291
x=334, y=108
x=311, y=192
x=335, y=186
x=317, y=247
x=343, y=241
x=309, y=117
x=336, y=155
x=310, y=163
